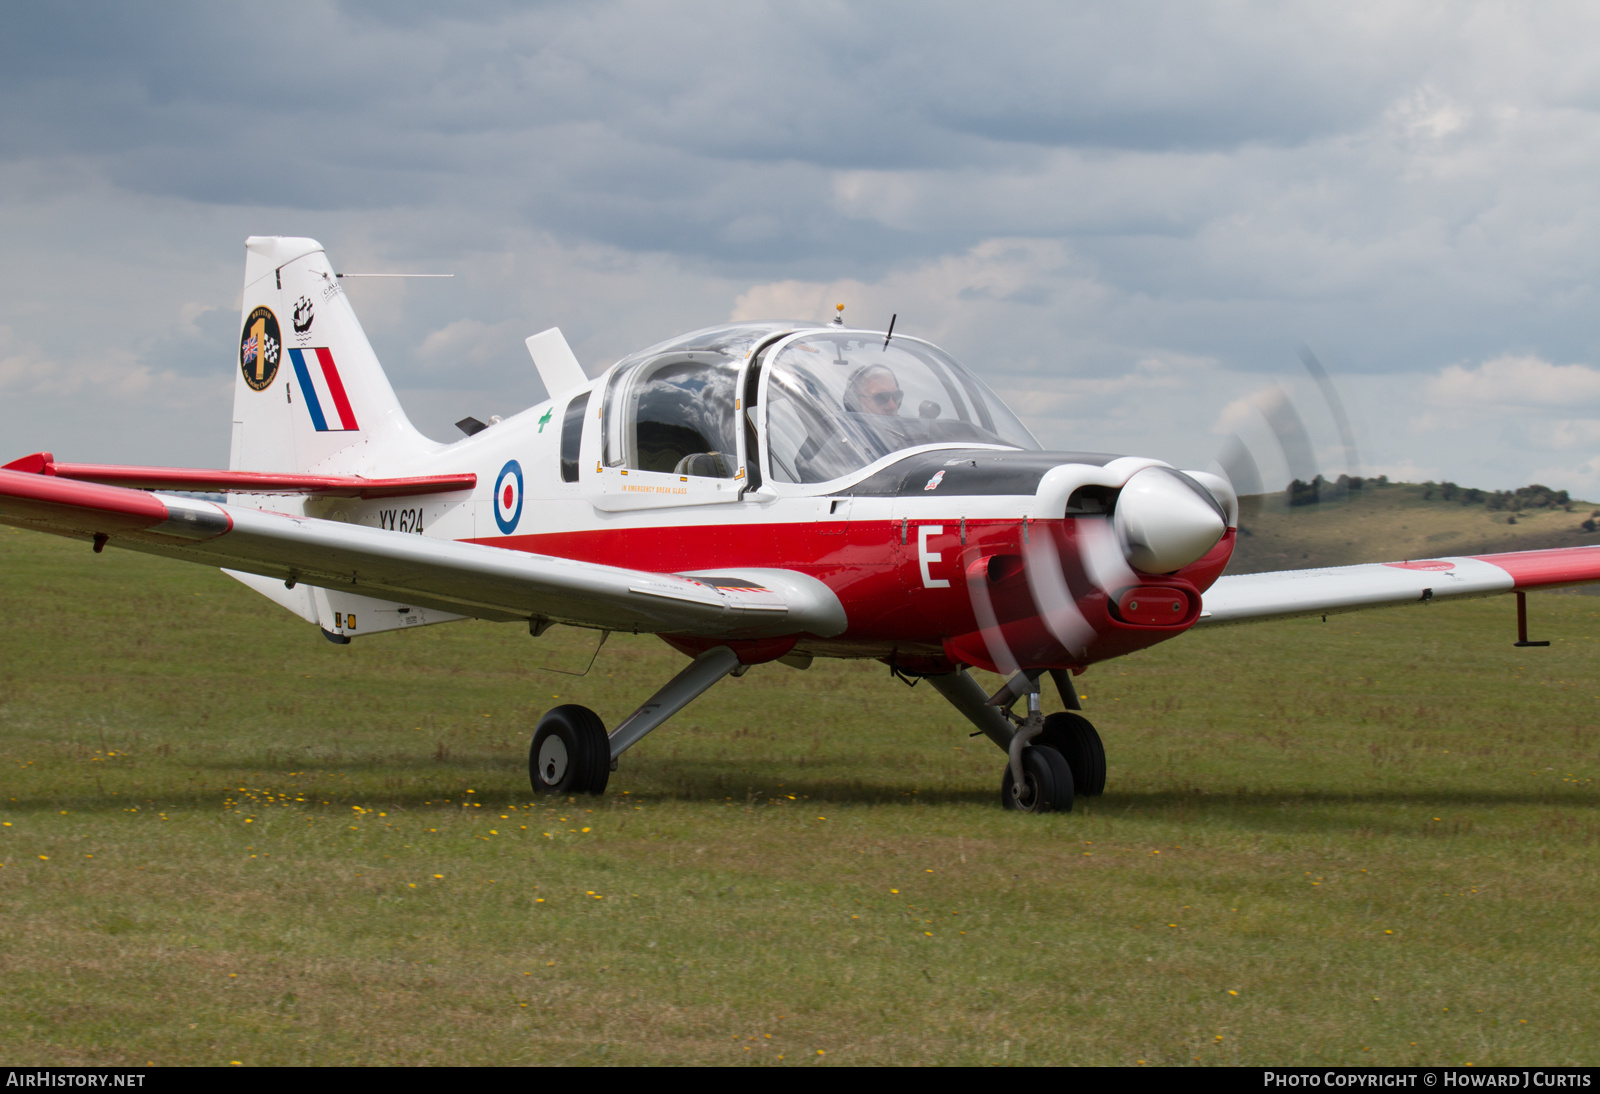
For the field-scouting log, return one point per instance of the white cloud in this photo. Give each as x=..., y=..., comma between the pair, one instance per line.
x=1514, y=383
x=1581, y=479
x=1241, y=413
x=27, y=370
x=467, y=342
x=796, y=300
x=1428, y=114
x=1578, y=434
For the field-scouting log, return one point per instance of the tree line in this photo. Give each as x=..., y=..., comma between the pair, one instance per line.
x=1533, y=496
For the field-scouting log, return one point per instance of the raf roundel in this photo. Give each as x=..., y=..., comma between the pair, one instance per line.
x=508, y=497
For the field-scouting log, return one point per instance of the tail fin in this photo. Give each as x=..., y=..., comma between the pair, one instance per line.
x=309, y=394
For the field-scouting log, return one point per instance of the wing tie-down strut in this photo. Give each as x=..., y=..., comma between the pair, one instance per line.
x=1522, y=621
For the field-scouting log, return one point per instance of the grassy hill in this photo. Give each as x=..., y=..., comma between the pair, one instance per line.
x=1384, y=522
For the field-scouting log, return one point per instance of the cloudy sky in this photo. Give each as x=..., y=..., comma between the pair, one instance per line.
x=1128, y=218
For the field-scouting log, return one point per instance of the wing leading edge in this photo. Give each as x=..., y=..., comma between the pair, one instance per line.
x=1247, y=598
x=464, y=578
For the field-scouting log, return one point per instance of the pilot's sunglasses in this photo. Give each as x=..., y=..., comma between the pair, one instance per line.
x=887, y=398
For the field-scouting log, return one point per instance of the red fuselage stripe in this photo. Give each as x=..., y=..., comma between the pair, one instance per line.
x=878, y=578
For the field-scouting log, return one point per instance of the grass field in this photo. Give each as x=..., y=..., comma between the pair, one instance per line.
x=1373, y=840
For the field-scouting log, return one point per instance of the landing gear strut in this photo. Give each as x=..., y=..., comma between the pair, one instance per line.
x=1034, y=744
x=1037, y=778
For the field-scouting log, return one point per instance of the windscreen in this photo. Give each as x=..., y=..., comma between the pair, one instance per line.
x=836, y=402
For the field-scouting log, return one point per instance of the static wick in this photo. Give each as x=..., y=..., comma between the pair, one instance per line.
x=390, y=275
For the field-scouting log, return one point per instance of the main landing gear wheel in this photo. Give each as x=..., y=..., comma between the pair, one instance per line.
x=1079, y=744
x=1047, y=783
x=570, y=753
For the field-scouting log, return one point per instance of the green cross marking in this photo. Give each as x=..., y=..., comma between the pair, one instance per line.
x=545, y=419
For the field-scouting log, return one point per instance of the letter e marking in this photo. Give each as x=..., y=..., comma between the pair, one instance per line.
x=925, y=556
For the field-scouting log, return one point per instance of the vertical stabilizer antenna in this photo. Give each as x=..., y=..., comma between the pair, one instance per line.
x=890, y=335
x=390, y=275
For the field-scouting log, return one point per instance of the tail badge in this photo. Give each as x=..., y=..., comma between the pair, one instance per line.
x=304, y=313
x=260, y=345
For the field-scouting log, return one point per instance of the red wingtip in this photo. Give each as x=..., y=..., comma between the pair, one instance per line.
x=1544, y=569
x=36, y=464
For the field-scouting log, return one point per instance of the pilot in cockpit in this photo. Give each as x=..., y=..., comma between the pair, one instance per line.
x=873, y=389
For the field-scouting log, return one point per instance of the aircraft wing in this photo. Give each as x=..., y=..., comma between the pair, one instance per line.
x=465, y=578
x=1246, y=598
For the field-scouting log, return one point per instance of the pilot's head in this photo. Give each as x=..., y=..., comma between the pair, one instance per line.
x=873, y=390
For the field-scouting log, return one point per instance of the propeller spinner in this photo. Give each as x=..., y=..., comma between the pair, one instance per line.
x=1166, y=520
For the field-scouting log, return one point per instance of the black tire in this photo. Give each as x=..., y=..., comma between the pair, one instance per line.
x=1049, y=783
x=570, y=753
x=1079, y=744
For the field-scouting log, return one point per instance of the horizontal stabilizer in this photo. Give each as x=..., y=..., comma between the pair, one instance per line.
x=342, y=613
x=207, y=480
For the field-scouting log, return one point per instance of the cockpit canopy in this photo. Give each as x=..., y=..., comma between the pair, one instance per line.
x=830, y=403
x=837, y=401
x=674, y=413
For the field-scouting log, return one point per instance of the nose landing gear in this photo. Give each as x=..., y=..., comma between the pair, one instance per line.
x=1037, y=778
x=1046, y=783
x=1051, y=760
x=1070, y=734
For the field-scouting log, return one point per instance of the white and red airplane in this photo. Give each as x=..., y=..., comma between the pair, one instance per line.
x=772, y=491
